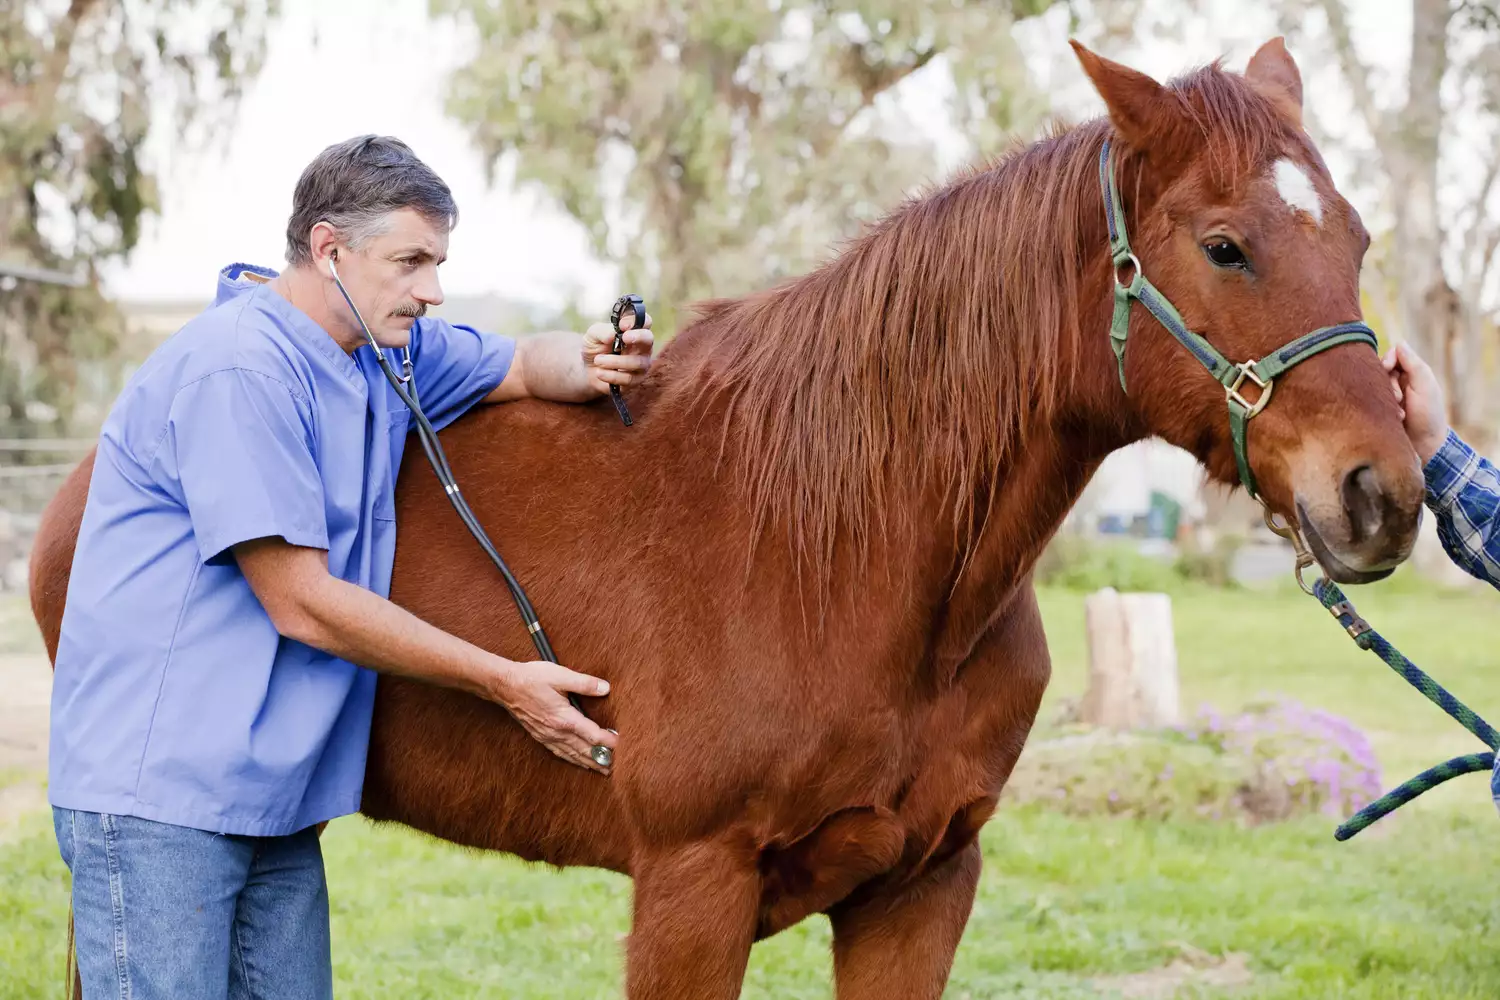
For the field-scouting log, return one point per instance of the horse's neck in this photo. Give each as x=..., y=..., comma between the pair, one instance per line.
x=1037, y=491
x=966, y=583
x=1033, y=493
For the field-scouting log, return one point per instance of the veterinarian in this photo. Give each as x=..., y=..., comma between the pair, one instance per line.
x=227, y=604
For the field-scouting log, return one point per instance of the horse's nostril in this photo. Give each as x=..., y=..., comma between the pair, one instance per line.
x=1362, y=503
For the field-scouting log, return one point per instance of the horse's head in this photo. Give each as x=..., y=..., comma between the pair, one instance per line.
x=1235, y=221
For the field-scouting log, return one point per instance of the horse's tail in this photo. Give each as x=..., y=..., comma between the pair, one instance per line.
x=73, y=990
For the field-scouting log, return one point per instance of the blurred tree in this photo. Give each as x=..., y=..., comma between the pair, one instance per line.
x=82, y=85
x=712, y=146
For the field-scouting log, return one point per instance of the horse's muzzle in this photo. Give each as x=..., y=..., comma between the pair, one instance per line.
x=1364, y=530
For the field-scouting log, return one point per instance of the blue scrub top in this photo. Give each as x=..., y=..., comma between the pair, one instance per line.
x=174, y=697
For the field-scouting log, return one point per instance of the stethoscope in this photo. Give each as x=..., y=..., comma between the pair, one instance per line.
x=406, y=388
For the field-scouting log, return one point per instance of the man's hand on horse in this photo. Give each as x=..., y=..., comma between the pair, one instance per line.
x=536, y=694
x=626, y=368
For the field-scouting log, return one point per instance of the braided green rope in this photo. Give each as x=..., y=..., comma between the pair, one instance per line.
x=1366, y=637
x=1408, y=790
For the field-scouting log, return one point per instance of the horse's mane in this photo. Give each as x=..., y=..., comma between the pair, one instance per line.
x=932, y=344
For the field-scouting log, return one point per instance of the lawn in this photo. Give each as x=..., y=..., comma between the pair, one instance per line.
x=1066, y=906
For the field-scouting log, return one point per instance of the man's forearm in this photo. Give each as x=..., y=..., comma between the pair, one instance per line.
x=305, y=603
x=359, y=626
x=554, y=367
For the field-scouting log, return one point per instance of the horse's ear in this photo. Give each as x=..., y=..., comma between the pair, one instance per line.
x=1273, y=72
x=1142, y=112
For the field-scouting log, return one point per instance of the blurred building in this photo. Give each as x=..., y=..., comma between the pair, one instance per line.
x=1150, y=489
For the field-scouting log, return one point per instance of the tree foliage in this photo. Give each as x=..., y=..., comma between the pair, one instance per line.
x=83, y=84
x=711, y=146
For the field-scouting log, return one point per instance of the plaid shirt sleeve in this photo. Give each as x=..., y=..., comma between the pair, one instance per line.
x=1463, y=490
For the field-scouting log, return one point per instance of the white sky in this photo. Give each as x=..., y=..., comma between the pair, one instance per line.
x=338, y=68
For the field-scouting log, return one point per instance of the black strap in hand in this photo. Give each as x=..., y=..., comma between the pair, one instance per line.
x=635, y=302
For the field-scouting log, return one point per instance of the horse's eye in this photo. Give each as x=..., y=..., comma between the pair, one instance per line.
x=1224, y=253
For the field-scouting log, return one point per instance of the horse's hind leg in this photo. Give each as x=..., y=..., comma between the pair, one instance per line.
x=694, y=923
x=902, y=944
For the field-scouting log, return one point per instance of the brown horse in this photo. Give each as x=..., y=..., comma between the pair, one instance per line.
x=806, y=570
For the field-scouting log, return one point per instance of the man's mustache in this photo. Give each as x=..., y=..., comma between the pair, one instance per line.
x=416, y=312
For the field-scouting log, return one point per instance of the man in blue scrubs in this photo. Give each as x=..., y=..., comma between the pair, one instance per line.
x=213, y=687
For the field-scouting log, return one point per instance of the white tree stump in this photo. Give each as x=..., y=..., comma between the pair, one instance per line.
x=1132, y=661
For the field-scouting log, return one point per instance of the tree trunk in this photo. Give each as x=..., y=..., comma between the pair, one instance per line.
x=1411, y=148
x=1132, y=661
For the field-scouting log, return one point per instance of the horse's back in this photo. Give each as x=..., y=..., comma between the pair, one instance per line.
x=52, y=552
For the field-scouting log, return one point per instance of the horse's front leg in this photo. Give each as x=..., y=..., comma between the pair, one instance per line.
x=901, y=942
x=694, y=923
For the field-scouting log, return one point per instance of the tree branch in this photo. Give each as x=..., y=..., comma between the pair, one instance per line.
x=1487, y=261
x=56, y=65
x=874, y=80
x=875, y=76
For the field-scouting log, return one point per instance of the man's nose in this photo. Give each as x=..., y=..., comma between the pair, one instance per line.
x=429, y=291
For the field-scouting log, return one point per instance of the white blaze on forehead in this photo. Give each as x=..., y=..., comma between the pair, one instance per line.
x=1297, y=190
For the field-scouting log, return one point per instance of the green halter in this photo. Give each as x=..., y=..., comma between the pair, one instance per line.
x=1229, y=374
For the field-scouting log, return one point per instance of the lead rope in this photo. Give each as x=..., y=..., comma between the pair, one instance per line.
x=1332, y=598
x=1365, y=637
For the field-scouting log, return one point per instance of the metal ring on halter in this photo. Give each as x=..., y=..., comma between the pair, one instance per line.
x=1293, y=535
x=1134, y=262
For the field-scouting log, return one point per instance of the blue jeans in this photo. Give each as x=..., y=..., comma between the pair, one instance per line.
x=166, y=911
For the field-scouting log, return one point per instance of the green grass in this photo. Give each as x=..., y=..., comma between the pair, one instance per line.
x=1236, y=646
x=1404, y=911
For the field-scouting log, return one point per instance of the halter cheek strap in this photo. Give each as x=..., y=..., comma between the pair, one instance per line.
x=1231, y=375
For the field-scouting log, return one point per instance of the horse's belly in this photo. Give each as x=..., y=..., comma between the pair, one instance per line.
x=460, y=769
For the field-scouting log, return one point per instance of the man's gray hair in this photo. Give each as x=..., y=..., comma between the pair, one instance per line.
x=355, y=185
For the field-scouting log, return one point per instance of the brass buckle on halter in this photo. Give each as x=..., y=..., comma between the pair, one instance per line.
x=1246, y=370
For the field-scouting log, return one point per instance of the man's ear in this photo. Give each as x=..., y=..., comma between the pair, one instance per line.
x=322, y=243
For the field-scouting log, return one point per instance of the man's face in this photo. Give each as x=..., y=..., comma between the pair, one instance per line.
x=393, y=278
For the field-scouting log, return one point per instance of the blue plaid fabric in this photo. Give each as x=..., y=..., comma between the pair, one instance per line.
x=1463, y=490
